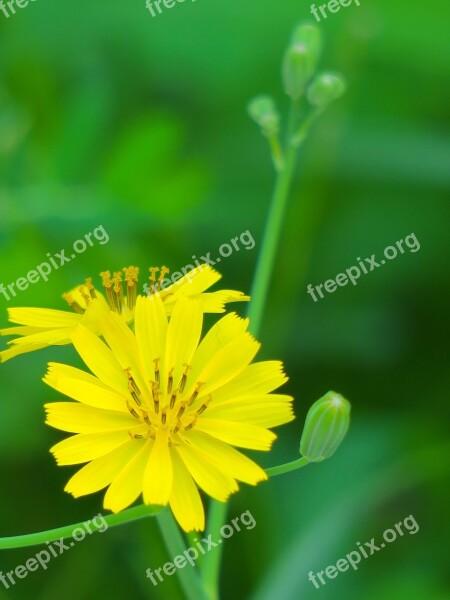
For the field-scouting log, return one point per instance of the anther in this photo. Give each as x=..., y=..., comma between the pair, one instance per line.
x=73, y=304
x=132, y=411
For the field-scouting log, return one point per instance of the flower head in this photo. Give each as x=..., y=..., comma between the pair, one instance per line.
x=41, y=327
x=163, y=411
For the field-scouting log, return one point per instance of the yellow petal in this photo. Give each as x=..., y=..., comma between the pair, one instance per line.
x=99, y=359
x=195, y=282
x=99, y=473
x=79, y=418
x=21, y=330
x=158, y=477
x=127, y=485
x=185, y=500
x=88, y=393
x=51, y=337
x=183, y=336
x=214, y=302
x=215, y=482
x=266, y=411
x=220, y=334
x=123, y=345
x=43, y=317
x=85, y=447
x=256, y=379
x=17, y=350
x=242, y=435
x=151, y=331
x=228, y=362
x=229, y=459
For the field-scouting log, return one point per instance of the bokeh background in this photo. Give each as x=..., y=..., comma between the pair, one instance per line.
x=111, y=117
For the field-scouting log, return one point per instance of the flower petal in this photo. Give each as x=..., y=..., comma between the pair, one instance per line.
x=268, y=411
x=151, y=330
x=99, y=359
x=227, y=362
x=229, y=459
x=215, y=482
x=158, y=477
x=80, y=418
x=99, y=473
x=47, y=318
x=85, y=447
x=256, y=379
x=183, y=336
x=127, y=485
x=242, y=435
x=185, y=500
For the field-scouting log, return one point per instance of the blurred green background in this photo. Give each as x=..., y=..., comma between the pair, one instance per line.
x=111, y=117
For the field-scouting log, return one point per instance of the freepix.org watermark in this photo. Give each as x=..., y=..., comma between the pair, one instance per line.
x=353, y=274
x=331, y=7
x=54, y=549
x=191, y=555
x=154, y=6
x=8, y=8
x=244, y=240
x=352, y=559
x=55, y=261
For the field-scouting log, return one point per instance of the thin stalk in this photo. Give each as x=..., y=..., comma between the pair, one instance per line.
x=288, y=467
x=35, y=539
x=211, y=562
x=188, y=577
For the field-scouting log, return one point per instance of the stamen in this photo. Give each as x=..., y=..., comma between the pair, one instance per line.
x=191, y=425
x=182, y=409
x=86, y=297
x=204, y=406
x=136, y=436
x=170, y=382
x=164, y=271
x=147, y=419
x=184, y=377
x=107, y=284
x=156, y=363
x=131, y=277
x=196, y=392
x=132, y=411
x=155, y=392
x=118, y=297
x=173, y=399
x=164, y=416
x=90, y=287
x=73, y=304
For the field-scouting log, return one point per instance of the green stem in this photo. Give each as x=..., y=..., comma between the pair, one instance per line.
x=266, y=259
x=211, y=562
x=188, y=577
x=288, y=467
x=35, y=539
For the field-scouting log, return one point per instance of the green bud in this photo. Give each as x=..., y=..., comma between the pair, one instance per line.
x=325, y=88
x=326, y=425
x=298, y=68
x=309, y=36
x=262, y=109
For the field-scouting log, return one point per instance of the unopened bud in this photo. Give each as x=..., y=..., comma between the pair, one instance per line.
x=326, y=425
x=325, y=88
x=262, y=109
x=310, y=37
x=298, y=68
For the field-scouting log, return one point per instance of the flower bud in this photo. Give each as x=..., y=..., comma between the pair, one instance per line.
x=325, y=88
x=262, y=109
x=326, y=425
x=310, y=37
x=298, y=68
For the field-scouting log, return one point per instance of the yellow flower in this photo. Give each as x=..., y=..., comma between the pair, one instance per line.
x=162, y=412
x=42, y=327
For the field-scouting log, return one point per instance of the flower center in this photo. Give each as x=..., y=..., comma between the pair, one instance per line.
x=169, y=410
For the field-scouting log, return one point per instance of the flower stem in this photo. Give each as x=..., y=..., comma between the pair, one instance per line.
x=288, y=467
x=35, y=539
x=274, y=223
x=211, y=561
x=260, y=287
x=188, y=577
